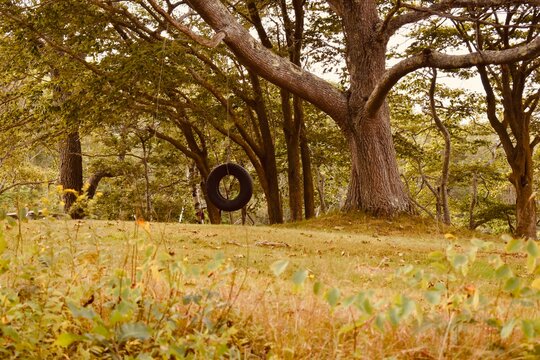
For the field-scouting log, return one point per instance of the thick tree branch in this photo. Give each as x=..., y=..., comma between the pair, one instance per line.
x=418, y=13
x=174, y=142
x=4, y=189
x=492, y=113
x=272, y=67
x=336, y=6
x=211, y=43
x=439, y=60
x=535, y=142
x=257, y=22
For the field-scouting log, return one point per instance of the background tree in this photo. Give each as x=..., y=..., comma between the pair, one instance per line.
x=511, y=94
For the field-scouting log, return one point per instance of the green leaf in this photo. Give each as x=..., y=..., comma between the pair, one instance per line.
x=481, y=244
x=512, y=284
x=332, y=296
x=436, y=255
x=8, y=331
x=433, y=296
x=101, y=331
x=66, y=339
x=527, y=327
x=347, y=328
x=407, y=307
x=3, y=243
x=133, y=331
x=532, y=248
x=503, y=272
x=122, y=313
x=81, y=311
x=379, y=322
x=279, y=267
x=348, y=301
x=536, y=284
x=317, y=288
x=531, y=264
x=216, y=262
x=507, y=329
x=459, y=261
x=367, y=307
x=299, y=277
x=513, y=245
x=393, y=315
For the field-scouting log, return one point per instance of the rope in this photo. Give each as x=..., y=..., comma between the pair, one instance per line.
x=160, y=77
x=228, y=109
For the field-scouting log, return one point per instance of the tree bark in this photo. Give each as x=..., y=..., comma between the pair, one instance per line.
x=268, y=171
x=474, y=201
x=291, y=130
x=442, y=197
x=307, y=172
x=522, y=179
x=320, y=189
x=199, y=155
x=71, y=171
x=375, y=184
x=94, y=180
x=514, y=133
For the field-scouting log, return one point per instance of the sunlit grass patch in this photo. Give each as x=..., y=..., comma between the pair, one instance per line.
x=99, y=289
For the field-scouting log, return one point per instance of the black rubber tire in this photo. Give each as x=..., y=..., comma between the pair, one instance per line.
x=243, y=177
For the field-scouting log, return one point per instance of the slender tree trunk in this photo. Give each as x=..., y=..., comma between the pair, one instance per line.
x=71, y=171
x=147, y=196
x=515, y=135
x=442, y=197
x=320, y=189
x=199, y=155
x=293, y=120
x=291, y=129
x=271, y=191
x=307, y=172
x=474, y=201
x=193, y=183
x=268, y=172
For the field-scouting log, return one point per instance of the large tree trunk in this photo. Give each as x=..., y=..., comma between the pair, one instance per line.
x=522, y=179
x=375, y=184
x=71, y=170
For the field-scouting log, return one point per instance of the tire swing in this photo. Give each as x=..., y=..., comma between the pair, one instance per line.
x=223, y=202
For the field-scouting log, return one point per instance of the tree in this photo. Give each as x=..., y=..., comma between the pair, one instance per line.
x=361, y=112
x=512, y=97
x=510, y=88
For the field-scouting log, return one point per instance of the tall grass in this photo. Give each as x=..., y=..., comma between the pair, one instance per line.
x=91, y=289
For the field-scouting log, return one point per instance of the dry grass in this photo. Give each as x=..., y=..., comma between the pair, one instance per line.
x=351, y=252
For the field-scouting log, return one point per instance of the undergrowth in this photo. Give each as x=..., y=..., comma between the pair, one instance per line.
x=143, y=299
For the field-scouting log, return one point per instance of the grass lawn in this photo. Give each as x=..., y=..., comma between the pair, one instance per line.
x=344, y=286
